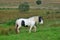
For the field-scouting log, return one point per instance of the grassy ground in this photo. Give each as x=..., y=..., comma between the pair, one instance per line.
x=50, y=30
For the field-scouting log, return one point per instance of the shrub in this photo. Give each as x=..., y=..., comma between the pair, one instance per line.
x=38, y=2
x=57, y=11
x=24, y=7
x=48, y=12
x=11, y=22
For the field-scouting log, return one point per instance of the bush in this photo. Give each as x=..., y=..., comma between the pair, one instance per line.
x=24, y=7
x=57, y=11
x=38, y=2
x=10, y=22
x=48, y=12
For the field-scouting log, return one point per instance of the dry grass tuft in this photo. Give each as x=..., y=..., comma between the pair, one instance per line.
x=7, y=31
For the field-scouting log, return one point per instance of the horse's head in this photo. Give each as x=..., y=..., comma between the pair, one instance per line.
x=40, y=20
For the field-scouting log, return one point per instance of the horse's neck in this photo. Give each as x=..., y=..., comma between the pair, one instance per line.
x=35, y=18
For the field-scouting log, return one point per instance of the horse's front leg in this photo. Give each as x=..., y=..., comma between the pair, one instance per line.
x=30, y=29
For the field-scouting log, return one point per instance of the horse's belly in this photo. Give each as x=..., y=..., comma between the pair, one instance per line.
x=27, y=23
x=30, y=23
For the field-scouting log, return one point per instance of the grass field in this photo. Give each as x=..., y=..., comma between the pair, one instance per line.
x=50, y=30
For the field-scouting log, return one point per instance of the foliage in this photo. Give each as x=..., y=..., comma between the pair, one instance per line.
x=24, y=7
x=48, y=12
x=11, y=22
x=38, y=2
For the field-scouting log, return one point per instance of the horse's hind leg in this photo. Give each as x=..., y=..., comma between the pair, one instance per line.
x=17, y=29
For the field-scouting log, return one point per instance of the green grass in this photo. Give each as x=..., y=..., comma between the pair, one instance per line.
x=47, y=31
x=41, y=34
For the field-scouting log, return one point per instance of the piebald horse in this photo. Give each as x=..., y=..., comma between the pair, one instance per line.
x=28, y=22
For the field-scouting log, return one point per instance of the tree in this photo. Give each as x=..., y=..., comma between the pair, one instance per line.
x=24, y=7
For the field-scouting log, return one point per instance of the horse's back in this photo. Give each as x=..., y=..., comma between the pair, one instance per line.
x=22, y=21
x=18, y=21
